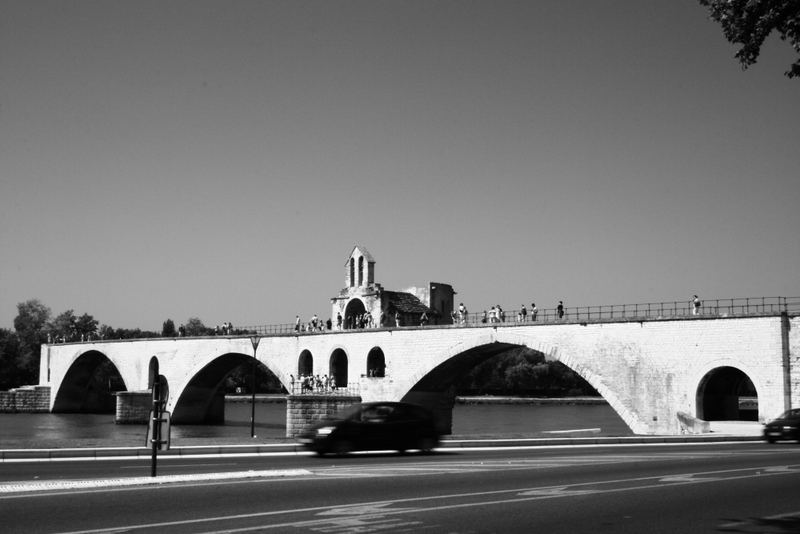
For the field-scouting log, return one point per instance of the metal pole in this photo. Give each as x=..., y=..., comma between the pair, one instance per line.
x=254, y=340
x=156, y=437
x=253, y=400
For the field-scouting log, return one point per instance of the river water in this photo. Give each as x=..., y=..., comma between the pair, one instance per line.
x=27, y=431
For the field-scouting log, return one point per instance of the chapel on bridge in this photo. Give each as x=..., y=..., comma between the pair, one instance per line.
x=362, y=296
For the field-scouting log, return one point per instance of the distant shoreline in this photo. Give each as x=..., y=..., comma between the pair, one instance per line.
x=479, y=399
x=491, y=399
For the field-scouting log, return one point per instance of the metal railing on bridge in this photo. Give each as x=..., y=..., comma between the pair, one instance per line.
x=735, y=307
x=607, y=312
x=314, y=387
x=653, y=310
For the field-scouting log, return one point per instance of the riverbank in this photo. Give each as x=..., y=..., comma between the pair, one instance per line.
x=481, y=399
x=535, y=401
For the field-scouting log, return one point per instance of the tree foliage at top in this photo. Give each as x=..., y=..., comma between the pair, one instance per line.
x=31, y=326
x=750, y=22
x=12, y=368
x=195, y=327
x=30, y=323
x=524, y=372
x=168, y=329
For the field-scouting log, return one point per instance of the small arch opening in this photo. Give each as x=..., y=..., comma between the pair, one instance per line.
x=338, y=368
x=305, y=364
x=352, y=272
x=376, y=363
x=727, y=394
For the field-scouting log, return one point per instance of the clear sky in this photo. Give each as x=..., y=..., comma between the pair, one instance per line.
x=216, y=159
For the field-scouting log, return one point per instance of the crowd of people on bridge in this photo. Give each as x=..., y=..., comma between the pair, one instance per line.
x=305, y=384
x=459, y=316
x=315, y=324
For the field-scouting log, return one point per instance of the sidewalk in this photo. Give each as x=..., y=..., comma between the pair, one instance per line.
x=246, y=446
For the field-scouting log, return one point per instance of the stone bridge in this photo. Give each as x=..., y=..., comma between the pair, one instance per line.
x=649, y=370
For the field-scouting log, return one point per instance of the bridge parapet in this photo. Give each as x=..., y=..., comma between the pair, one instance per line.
x=724, y=308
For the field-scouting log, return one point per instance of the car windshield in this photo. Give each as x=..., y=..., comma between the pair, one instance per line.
x=790, y=414
x=376, y=414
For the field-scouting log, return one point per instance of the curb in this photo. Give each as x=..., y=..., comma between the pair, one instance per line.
x=101, y=453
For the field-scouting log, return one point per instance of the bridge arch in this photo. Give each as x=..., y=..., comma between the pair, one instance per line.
x=721, y=392
x=88, y=385
x=436, y=379
x=338, y=367
x=201, y=399
x=376, y=363
x=305, y=363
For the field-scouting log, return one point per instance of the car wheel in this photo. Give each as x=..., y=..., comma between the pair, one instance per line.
x=426, y=445
x=342, y=448
x=770, y=440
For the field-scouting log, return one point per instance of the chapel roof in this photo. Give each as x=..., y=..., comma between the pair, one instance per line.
x=404, y=302
x=364, y=252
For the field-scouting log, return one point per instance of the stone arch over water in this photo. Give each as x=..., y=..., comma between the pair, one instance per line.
x=202, y=399
x=89, y=385
x=432, y=386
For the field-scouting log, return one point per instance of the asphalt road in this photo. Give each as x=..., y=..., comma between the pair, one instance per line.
x=747, y=487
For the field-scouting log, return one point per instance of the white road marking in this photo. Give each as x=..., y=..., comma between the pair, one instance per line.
x=686, y=478
x=595, y=430
x=380, y=509
x=761, y=525
x=45, y=485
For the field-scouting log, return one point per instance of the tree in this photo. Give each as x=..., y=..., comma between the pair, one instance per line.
x=86, y=326
x=750, y=22
x=195, y=327
x=168, y=329
x=108, y=332
x=30, y=325
x=32, y=317
x=64, y=326
x=522, y=371
x=9, y=360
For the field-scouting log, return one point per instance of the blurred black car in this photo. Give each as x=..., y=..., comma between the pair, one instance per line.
x=374, y=426
x=787, y=426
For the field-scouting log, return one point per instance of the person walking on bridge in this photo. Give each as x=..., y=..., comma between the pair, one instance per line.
x=560, y=309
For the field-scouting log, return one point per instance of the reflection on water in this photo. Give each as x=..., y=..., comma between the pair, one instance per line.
x=93, y=430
